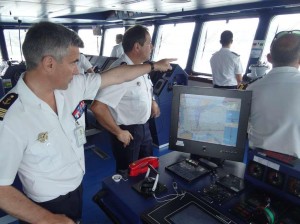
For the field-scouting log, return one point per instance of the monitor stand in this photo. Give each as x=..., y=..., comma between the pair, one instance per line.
x=208, y=162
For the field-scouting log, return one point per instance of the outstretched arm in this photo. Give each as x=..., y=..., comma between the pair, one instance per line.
x=18, y=205
x=126, y=73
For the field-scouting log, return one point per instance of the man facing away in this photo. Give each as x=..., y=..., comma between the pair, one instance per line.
x=117, y=50
x=42, y=126
x=226, y=65
x=84, y=65
x=274, y=120
x=124, y=109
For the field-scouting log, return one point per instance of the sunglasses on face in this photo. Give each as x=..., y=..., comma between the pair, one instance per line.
x=280, y=34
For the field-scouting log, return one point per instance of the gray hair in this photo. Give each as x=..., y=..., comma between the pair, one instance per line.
x=46, y=38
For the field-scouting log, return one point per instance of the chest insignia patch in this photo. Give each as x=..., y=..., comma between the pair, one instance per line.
x=6, y=102
x=43, y=137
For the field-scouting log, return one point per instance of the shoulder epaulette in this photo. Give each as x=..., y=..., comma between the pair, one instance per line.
x=123, y=63
x=235, y=53
x=6, y=102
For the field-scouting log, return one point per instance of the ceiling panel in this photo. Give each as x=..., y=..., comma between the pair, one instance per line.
x=99, y=10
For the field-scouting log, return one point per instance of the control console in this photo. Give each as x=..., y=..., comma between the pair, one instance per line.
x=275, y=172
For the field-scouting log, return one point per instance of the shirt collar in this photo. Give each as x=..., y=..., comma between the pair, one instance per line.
x=284, y=69
x=27, y=97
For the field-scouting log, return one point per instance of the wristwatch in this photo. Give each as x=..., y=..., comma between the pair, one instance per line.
x=152, y=66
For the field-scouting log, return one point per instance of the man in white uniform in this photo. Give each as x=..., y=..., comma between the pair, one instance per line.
x=225, y=65
x=118, y=50
x=124, y=109
x=275, y=122
x=84, y=65
x=42, y=126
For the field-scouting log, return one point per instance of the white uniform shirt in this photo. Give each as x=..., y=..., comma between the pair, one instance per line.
x=83, y=64
x=275, y=112
x=54, y=167
x=129, y=102
x=225, y=65
x=117, y=51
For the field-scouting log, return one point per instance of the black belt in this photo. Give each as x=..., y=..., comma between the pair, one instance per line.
x=225, y=87
x=131, y=126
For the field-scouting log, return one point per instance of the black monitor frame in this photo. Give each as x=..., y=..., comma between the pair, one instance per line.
x=205, y=149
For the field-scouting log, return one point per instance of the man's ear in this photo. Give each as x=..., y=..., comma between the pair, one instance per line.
x=136, y=46
x=269, y=57
x=48, y=63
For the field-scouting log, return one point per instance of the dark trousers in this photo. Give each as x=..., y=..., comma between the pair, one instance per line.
x=225, y=87
x=139, y=147
x=69, y=205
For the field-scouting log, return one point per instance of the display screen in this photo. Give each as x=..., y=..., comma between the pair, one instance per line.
x=210, y=122
x=211, y=119
x=190, y=214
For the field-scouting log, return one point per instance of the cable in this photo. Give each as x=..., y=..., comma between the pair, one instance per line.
x=174, y=196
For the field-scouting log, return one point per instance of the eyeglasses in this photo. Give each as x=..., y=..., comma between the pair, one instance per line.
x=280, y=34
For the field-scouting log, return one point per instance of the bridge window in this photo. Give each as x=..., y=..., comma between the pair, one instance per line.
x=279, y=23
x=13, y=43
x=243, y=36
x=92, y=42
x=110, y=39
x=173, y=41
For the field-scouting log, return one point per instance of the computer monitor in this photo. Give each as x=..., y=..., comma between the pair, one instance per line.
x=210, y=122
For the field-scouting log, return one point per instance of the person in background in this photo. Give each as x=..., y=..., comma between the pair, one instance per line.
x=225, y=65
x=117, y=50
x=124, y=109
x=42, y=126
x=274, y=122
x=84, y=65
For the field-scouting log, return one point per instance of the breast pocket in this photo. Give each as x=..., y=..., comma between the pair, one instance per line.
x=43, y=153
x=135, y=97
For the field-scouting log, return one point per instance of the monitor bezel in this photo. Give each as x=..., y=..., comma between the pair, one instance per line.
x=205, y=149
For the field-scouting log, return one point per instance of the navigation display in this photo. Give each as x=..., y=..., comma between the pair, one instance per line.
x=210, y=123
x=209, y=119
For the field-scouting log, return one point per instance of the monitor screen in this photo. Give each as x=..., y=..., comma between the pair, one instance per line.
x=210, y=122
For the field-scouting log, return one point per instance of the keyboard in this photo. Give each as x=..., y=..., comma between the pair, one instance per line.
x=187, y=169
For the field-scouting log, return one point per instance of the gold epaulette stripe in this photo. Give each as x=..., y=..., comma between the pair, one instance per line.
x=3, y=110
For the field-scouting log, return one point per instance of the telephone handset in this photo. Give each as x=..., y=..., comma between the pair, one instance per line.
x=141, y=166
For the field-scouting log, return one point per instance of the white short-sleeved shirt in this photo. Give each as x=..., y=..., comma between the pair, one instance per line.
x=52, y=167
x=117, y=51
x=129, y=102
x=275, y=122
x=225, y=64
x=83, y=64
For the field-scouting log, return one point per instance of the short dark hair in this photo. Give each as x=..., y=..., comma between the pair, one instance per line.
x=226, y=37
x=135, y=34
x=46, y=38
x=119, y=37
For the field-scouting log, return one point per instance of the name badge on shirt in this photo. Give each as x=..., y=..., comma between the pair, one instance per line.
x=80, y=136
x=79, y=130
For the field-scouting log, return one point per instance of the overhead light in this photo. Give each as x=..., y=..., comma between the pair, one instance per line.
x=176, y=1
